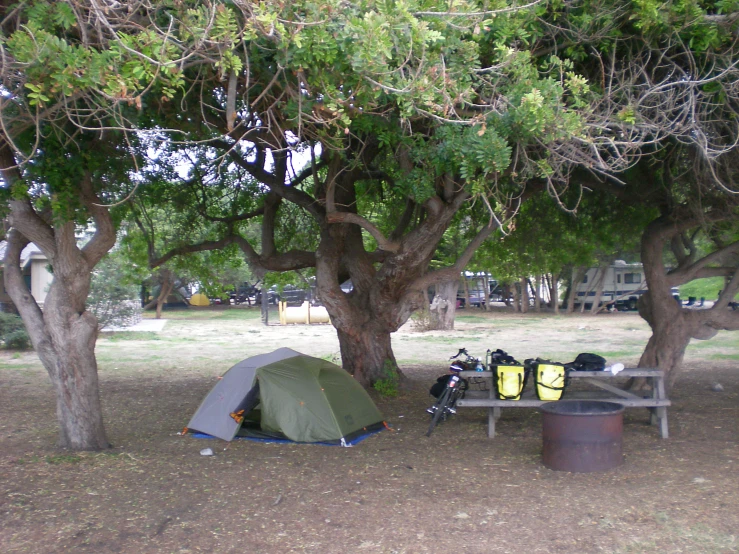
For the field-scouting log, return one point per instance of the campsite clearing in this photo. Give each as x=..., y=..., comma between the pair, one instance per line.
x=397, y=491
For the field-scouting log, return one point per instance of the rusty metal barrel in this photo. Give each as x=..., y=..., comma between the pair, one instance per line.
x=582, y=435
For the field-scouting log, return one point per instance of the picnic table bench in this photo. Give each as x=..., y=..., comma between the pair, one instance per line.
x=610, y=388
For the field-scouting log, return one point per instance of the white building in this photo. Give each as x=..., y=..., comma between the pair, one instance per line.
x=35, y=268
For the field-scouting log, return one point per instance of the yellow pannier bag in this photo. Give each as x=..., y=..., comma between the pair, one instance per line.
x=509, y=381
x=550, y=380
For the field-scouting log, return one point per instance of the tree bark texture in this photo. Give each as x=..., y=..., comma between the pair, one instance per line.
x=367, y=355
x=524, y=295
x=167, y=280
x=486, y=291
x=444, y=306
x=554, y=292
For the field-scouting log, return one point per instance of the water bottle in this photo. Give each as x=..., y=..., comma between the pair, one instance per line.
x=479, y=366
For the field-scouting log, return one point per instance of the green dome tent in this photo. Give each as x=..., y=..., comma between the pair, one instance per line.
x=287, y=395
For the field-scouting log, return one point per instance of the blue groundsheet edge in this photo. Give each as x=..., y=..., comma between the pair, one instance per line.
x=352, y=442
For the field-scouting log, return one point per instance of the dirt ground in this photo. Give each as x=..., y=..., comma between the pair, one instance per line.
x=397, y=491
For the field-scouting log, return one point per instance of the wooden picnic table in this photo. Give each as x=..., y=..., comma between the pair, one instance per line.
x=610, y=388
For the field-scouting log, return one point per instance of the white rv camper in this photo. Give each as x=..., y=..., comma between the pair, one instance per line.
x=622, y=285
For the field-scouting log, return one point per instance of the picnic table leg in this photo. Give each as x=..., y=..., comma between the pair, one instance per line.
x=659, y=413
x=653, y=417
x=491, y=421
x=662, y=415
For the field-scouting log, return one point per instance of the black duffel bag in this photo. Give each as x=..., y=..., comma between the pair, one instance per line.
x=587, y=362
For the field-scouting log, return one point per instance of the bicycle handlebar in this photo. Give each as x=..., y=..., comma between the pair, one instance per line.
x=461, y=351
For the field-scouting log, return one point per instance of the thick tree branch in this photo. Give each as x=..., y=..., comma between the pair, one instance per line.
x=104, y=237
x=727, y=295
x=16, y=287
x=308, y=171
x=699, y=269
x=192, y=248
x=404, y=221
x=350, y=217
x=452, y=272
x=271, y=206
x=289, y=193
x=287, y=261
x=23, y=216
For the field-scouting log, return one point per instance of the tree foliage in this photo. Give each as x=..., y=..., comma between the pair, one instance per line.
x=371, y=126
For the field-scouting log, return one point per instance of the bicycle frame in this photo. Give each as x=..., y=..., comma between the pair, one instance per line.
x=445, y=405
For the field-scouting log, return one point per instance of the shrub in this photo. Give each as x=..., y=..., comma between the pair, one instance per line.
x=388, y=385
x=17, y=340
x=113, y=298
x=9, y=322
x=13, y=333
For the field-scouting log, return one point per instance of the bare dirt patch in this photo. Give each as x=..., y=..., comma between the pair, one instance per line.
x=397, y=491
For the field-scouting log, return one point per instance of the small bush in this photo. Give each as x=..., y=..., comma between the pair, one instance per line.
x=9, y=323
x=12, y=332
x=388, y=385
x=421, y=320
x=17, y=340
x=113, y=298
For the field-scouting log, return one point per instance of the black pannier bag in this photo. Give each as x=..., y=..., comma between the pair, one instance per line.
x=588, y=362
x=509, y=376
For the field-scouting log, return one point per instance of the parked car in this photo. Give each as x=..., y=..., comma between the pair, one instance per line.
x=244, y=294
x=272, y=297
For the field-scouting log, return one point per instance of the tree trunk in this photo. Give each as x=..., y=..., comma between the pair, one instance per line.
x=486, y=291
x=577, y=275
x=507, y=294
x=264, y=304
x=64, y=334
x=166, y=289
x=74, y=374
x=673, y=326
x=382, y=298
x=598, y=287
x=444, y=306
x=554, y=292
x=368, y=355
x=65, y=342
x=537, y=294
x=524, y=295
x=665, y=349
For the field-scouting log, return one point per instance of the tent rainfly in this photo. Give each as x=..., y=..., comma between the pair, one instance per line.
x=199, y=299
x=287, y=395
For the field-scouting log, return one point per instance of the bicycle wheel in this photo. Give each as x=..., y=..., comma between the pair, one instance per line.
x=441, y=406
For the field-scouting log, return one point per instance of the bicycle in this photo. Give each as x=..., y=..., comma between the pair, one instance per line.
x=470, y=363
x=454, y=389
